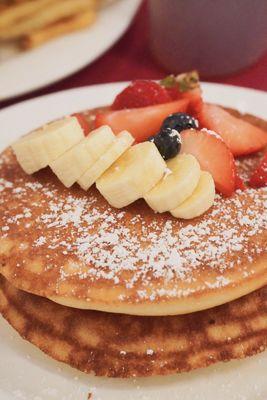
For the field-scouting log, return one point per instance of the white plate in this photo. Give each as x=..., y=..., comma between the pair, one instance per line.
x=23, y=72
x=27, y=374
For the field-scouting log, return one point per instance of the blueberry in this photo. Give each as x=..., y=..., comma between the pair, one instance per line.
x=180, y=121
x=168, y=142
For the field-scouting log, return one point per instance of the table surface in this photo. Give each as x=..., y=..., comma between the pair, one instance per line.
x=130, y=59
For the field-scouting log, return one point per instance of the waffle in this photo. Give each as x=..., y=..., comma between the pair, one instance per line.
x=118, y=345
x=71, y=246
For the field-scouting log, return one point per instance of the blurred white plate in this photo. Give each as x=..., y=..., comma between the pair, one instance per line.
x=27, y=374
x=22, y=72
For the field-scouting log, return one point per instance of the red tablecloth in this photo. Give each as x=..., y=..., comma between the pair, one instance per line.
x=130, y=59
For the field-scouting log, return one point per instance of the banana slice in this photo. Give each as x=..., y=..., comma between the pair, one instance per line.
x=73, y=163
x=200, y=201
x=139, y=169
x=122, y=142
x=37, y=149
x=177, y=185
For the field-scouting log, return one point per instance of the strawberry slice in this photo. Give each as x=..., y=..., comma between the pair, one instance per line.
x=195, y=100
x=259, y=176
x=213, y=156
x=83, y=122
x=240, y=136
x=141, y=93
x=140, y=122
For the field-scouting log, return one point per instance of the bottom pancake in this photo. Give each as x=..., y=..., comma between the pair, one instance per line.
x=118, y=345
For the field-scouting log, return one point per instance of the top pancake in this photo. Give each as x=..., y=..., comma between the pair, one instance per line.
x=71, y=246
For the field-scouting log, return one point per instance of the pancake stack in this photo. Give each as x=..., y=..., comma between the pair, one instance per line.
x=128, y=292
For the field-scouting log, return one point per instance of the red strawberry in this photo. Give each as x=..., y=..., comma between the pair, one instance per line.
x=83, y=122
x=141, y=122
x=174, y=93
x=141, y=94
x=195, y=100
x=185, y=86
x=240, y=136
x=213, y=156
x=259, y=176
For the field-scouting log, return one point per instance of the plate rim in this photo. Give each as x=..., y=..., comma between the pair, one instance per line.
x=120, y=84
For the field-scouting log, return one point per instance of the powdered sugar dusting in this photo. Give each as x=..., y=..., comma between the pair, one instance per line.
x=83, y=237
x=246, y=165
x=5, y=184
x=212, y=133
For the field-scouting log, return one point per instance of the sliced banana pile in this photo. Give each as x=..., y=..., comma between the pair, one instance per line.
x=39, y=148
x=123, y=172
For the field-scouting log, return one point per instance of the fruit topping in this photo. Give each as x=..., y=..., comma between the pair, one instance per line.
x=213, y=156
x=259, y=176
x=177, y=185
x=138, y=170
x=168, y=142
x=200, y=201
x=141, y=93
x=141, y=122
x=73, y=163
x=180, y=121
x=186, y=86
x=182, y=82
x=121, y=143
x=158, y=116
x=83, y=122
x=40, y=147
x=240, y=136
